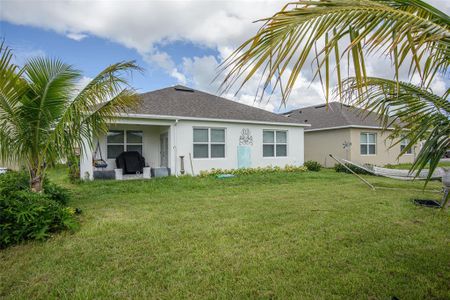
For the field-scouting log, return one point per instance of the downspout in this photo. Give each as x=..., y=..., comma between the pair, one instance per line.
x=175, y=147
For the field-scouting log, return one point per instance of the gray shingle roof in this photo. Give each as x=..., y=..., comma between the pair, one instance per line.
x=181, y=101
x=337, y=115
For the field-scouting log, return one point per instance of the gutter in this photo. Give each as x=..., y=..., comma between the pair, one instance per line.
x=349, y=126
x=177, y=118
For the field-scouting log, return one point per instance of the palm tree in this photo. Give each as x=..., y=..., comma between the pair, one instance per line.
x=44, y=116
x=412, y=33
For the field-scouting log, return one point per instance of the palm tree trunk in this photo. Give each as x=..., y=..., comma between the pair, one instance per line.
x=36, y=181
x=446, y=184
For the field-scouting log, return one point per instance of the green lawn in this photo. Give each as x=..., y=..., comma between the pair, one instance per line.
x=408, y=166
x=309, y=235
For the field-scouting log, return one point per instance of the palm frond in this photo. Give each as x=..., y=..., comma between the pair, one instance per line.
x=51, y=82
x=420, y=8
x=408, y=29
x=12, y=87
x=94, y=106
x=417, y=115
x=43, y=117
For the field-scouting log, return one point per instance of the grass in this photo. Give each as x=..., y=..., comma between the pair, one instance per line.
x=407, y=166
x=309, y=235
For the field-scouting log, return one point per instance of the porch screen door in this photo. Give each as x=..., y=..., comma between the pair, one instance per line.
x=164, y=149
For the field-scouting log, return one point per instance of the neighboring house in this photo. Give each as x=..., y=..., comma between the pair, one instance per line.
x=347, y=132
x=8, y=166
x=215, y=132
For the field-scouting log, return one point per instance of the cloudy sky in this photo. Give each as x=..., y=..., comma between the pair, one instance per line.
x=176, y=42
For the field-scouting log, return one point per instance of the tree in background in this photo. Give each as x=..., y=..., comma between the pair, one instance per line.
x=410, y=33
x=45, y=116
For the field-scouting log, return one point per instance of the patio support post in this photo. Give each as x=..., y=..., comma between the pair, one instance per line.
x=86, y=167
x=173, y=148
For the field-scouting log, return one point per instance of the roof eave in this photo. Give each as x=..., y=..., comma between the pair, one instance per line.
x=349, y=126
x=167, y=117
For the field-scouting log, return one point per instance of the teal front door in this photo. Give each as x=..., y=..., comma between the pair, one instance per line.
x=244, y=157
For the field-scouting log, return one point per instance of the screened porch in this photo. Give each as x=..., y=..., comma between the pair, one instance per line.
x=113, y=153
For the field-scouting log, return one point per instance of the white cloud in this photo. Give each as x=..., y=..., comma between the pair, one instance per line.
x=76, y=36
x=22, y=54
x=180, y=77
x=146, y=25
x=439, y=85
x=202, y=70
x=165, y=62
x=81, y=84
x=143, y=25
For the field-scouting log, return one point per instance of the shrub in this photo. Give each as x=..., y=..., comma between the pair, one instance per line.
x=74, y=169
x=248, y=171
x=26, y=215
x=11, y=182
x=31, y=216
x=56, y=192
x=357, y=170
x=313, y=165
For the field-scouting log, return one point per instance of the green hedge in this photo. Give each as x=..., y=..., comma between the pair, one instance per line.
x=25, y=215
x=247, y=171
x=313, y=166
x=357, y=170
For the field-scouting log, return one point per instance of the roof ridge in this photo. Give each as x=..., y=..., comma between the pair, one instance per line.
x=157, y=90
x=236, y=102
x=319, y=104
x=172, y=101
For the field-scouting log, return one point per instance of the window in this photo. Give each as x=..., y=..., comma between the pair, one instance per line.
x=209, y=143
x=274, y=143
x=403, y=143
x=123, y=140
x=368, y=143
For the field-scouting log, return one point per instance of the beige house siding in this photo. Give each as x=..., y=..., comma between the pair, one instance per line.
x=384, y=154
x=319, y=144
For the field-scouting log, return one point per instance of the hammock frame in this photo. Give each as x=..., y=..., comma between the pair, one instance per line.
x=395, y=173
x=402, y=175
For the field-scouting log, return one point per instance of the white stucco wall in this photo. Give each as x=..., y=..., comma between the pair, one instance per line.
x=183, y=135
x=181, y=144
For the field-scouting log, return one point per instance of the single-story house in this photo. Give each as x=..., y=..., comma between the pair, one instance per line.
x=187, y=131
x=347, y=132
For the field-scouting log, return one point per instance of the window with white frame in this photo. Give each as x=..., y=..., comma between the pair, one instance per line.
x=209, y=143
x=118, y=141
x=403, y=143
x=368, y=143
x=274, y=143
